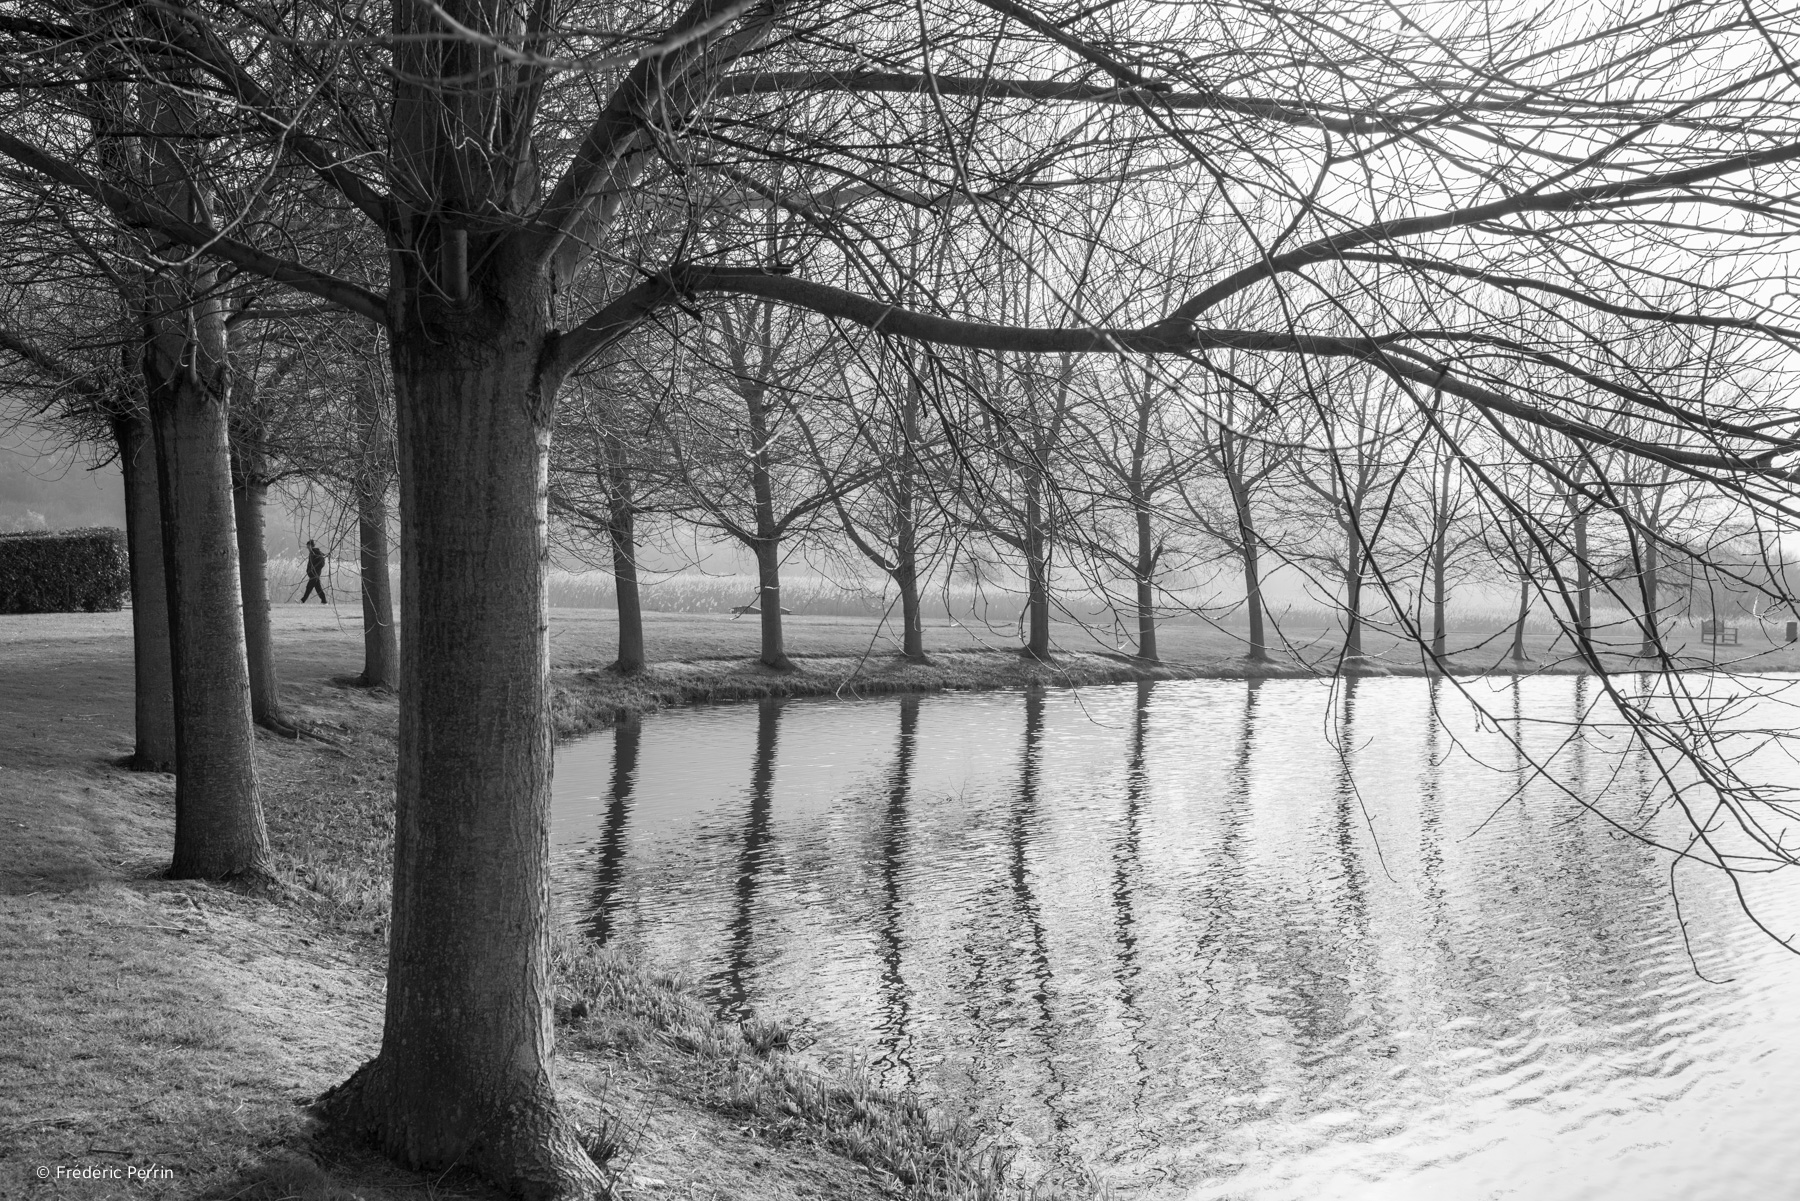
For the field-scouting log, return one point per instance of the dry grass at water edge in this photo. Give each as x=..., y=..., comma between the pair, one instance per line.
x=752, y=1076
x=589, y=699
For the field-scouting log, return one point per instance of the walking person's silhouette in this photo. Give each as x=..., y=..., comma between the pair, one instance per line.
x=315, y=565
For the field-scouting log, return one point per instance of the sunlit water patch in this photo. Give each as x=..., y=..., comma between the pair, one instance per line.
x=1220, y=940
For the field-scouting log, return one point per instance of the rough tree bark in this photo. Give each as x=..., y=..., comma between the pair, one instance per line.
x=219, y=830
x=151, y=665
x=464, y=1071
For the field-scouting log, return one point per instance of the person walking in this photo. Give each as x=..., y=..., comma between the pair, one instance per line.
x=315, y=565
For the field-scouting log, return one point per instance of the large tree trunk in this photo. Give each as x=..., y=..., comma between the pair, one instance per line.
x=381, y=656
x=219, y=831
x=464, y=1076
x=767, y=545
x=621, y=518
x=912, y=619
x=1146, y=585
x=249, y=498
x=1353, y=579
x=768, y=600
x=152, y=669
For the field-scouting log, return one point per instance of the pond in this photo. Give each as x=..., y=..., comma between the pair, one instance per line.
x=1218, y=939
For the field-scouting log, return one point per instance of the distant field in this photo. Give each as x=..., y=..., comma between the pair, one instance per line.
x=970, y=617
x=583, y=634
x=587, y=637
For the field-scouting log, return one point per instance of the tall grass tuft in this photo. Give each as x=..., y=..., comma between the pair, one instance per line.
x=749, y=1073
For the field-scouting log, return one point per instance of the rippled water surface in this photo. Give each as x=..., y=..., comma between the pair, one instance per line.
x=1220, y=940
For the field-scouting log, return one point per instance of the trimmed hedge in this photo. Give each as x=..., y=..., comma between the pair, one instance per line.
x=64, y=572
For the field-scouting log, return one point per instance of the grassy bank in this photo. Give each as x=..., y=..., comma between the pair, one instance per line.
x=708, y=659
x=589, y=698
x=168, y=1037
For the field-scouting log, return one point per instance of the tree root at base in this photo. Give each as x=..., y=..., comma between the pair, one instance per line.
x=523, y=1144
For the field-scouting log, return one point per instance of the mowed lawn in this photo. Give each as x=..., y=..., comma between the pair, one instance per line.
x=588, y=637
x=328, y=638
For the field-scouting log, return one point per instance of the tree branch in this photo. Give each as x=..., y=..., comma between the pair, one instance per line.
x=195, y=39
x=204, y=239
x=47, y=364
x=1181, y=338
x=1521, y=283
x=632, y=110
x=1629, y=191
x=1064, y=91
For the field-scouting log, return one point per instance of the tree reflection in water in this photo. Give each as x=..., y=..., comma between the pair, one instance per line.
x=609, y=866
x=1148, y=928
x=895, y=1002
x=1127, y=877
x=730, y=986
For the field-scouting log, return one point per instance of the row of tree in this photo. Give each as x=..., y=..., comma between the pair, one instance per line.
x=1104, y=478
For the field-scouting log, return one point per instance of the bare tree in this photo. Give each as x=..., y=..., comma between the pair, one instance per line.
x=1241, y=441
x=1131, y=458
x=1340, y=146
x=1011, y=498
x=611, y=467
x=741, y=452
x=896, y=519
x=99, y=396
x=1354, y=482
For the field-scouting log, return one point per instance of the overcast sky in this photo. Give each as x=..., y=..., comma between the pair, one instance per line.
x=45, y=488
